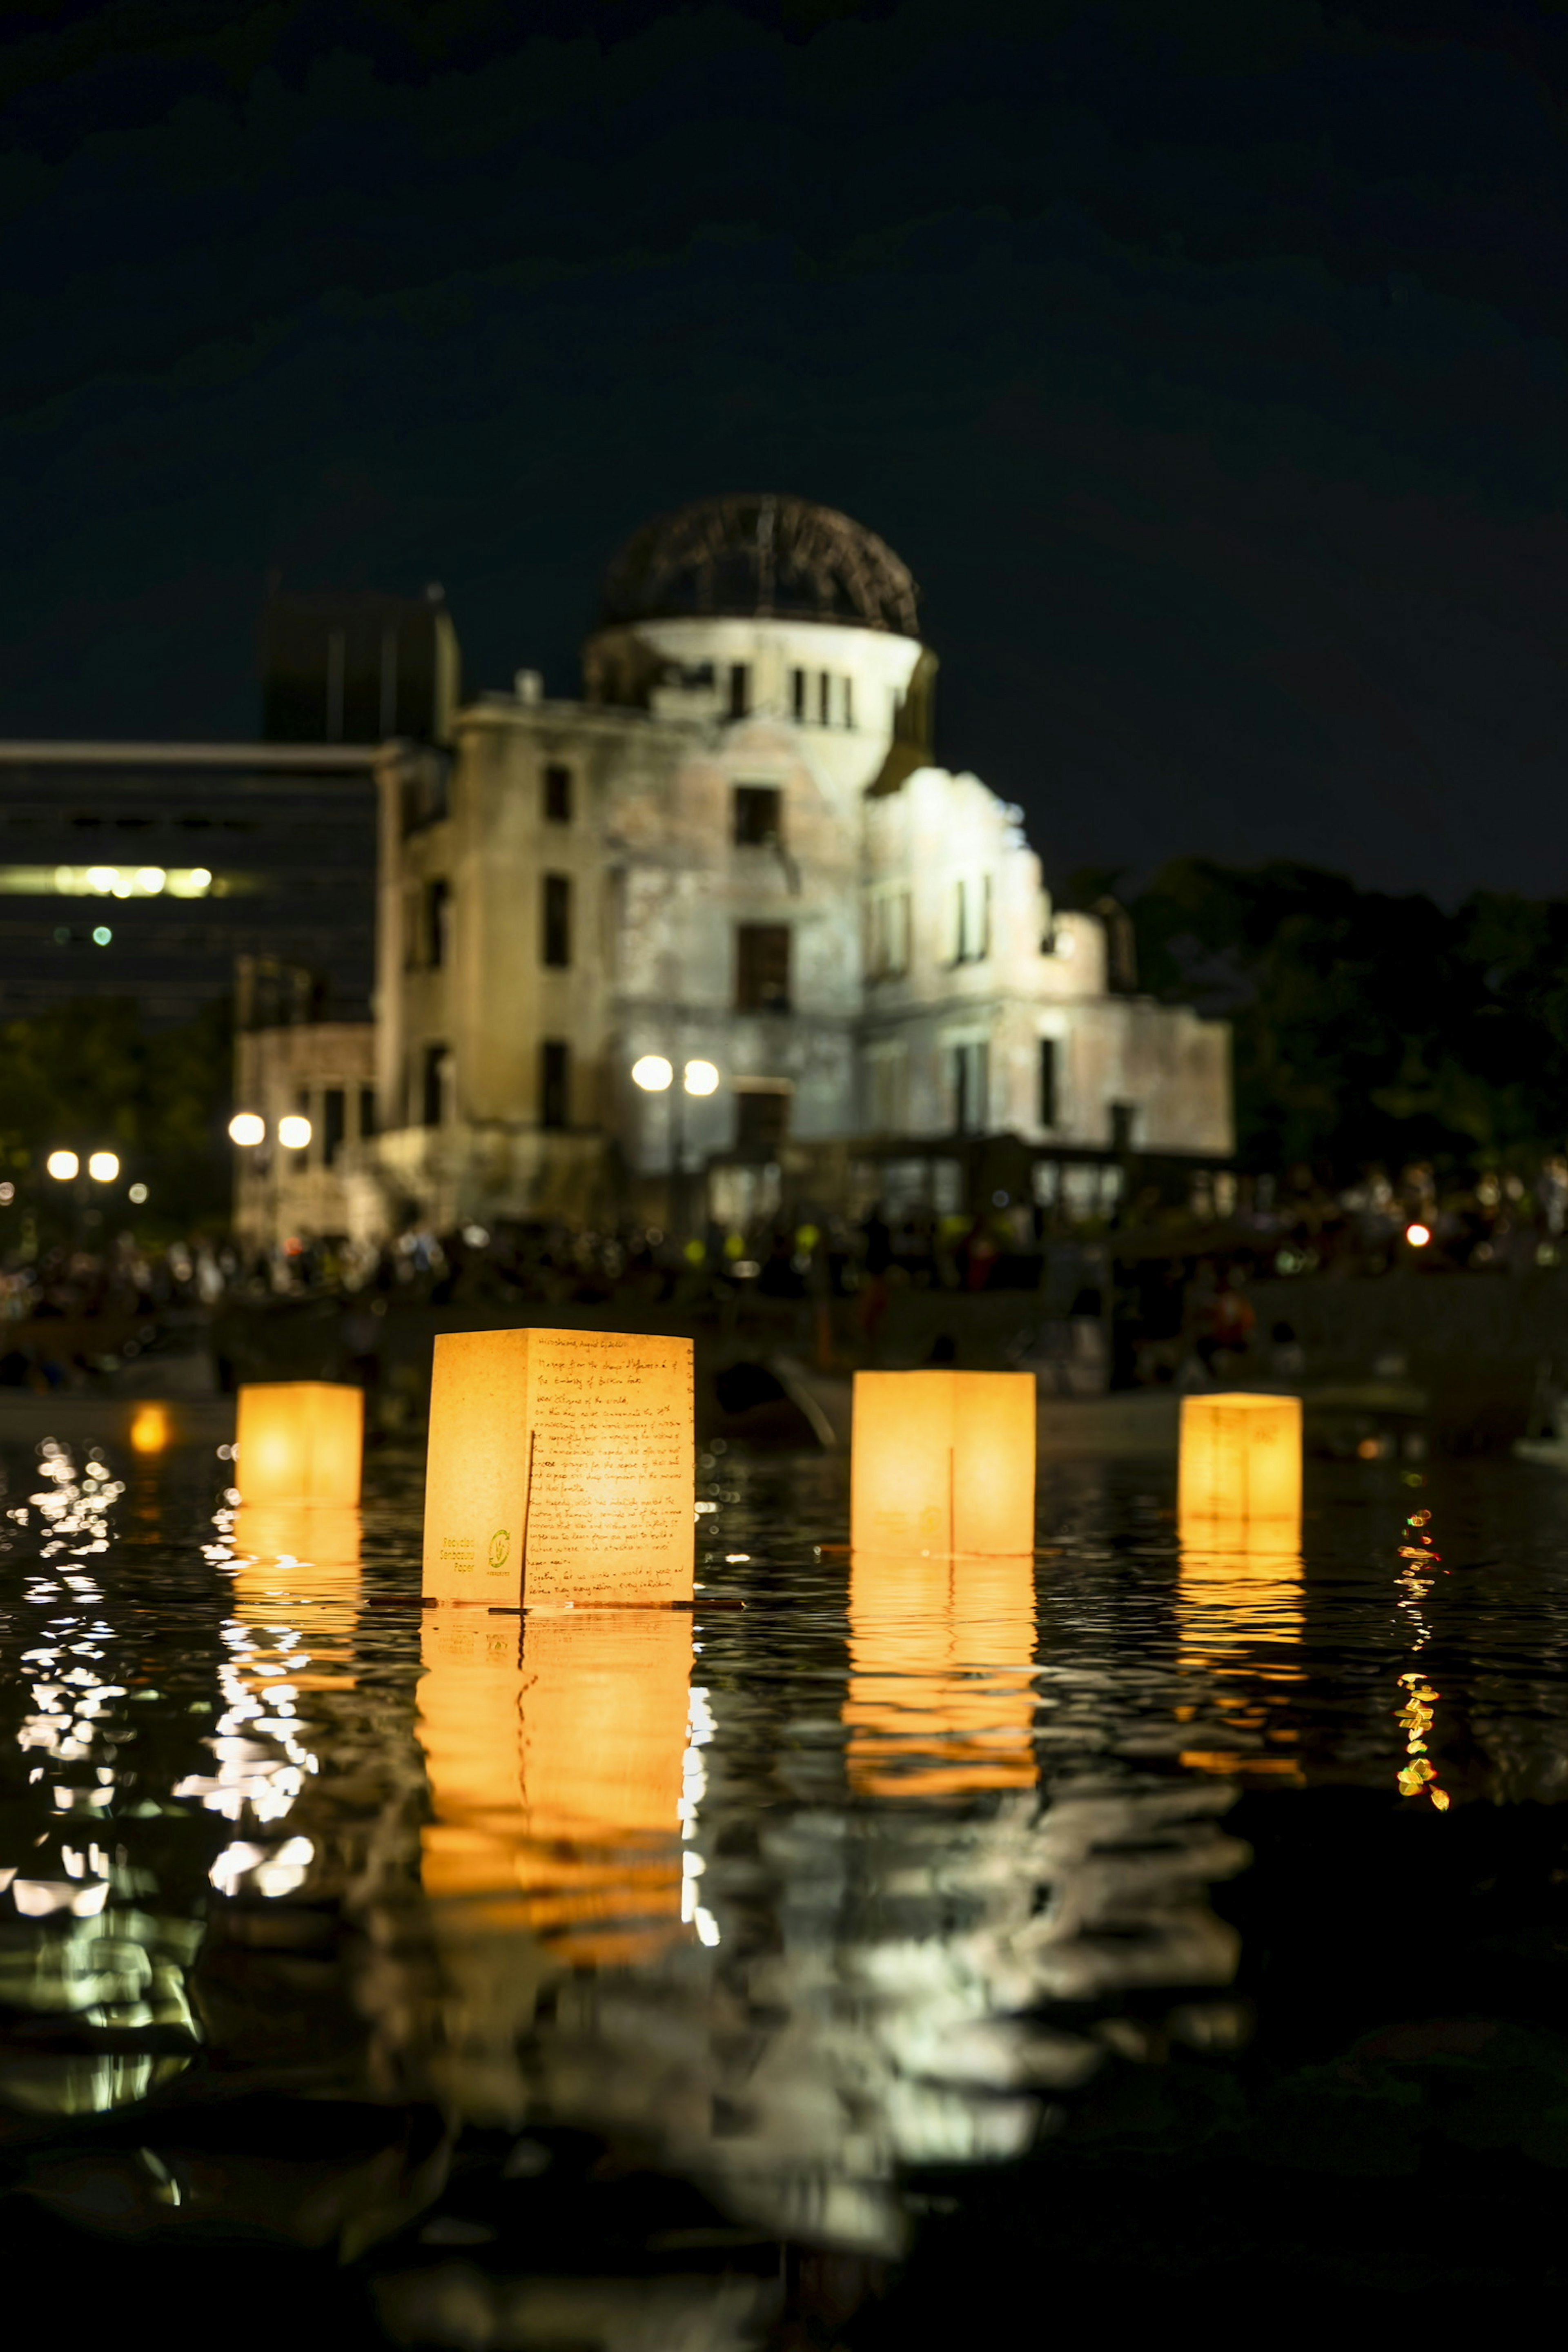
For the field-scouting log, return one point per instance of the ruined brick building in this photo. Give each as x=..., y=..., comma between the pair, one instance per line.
x=735, y=848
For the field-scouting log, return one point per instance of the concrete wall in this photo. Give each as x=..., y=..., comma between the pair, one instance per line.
x=660, y=886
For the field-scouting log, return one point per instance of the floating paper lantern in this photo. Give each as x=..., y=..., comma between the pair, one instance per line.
x=1241, y=1469
x=941, y=1697
x=1240, y=1592
x=300, y=1442
x=556, y=1752
x=944, y=1463
x=151, y=1431
x=561, y=1469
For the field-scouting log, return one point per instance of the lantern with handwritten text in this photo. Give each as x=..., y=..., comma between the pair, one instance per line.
x=300, y=1442
x=944, y=1463
x=561, y=1469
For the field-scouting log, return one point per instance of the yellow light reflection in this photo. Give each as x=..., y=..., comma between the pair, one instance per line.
x=1417, y=1716
x=1240, y=1607
x=556, y=1749
x=296, y=1588
x=944, y=1463
x=151, y=1431
x=940, y=1697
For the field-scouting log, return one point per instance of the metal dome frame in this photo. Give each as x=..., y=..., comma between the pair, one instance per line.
x=760, y=556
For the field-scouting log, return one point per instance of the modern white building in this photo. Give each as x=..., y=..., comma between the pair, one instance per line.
x=736, y=849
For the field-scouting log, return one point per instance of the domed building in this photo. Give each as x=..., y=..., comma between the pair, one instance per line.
x=734, y=850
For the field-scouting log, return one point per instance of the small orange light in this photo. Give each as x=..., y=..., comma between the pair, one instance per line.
x=150, y=1429
x=1369, y=1449
x=1417, y=1235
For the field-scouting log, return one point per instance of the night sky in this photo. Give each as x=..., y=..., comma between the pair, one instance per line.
x=1204, y=363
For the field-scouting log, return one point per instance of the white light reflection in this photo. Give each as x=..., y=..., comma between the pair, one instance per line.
x=103, y=1960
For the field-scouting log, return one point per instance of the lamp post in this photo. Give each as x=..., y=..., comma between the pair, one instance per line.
x=656, y=1075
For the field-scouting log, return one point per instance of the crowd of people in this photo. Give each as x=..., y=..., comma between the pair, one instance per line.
x=1230, y=1232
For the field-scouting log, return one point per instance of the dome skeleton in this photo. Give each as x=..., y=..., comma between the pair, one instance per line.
x=761, y=556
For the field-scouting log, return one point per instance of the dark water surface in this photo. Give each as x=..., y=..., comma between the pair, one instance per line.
x=922, y=1954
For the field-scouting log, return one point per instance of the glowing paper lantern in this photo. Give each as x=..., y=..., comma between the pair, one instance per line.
x=1241, y=1584
x=1241, y=1467
x=944, y=1463
x=150, y=1429
x=941, y=1696
x=556, y=1755
x=300, y=1442
x=561, y=1469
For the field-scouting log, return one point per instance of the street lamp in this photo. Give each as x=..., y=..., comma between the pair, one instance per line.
x=656, y=1075
x=63, y=1166
x=103, y=1167
x=294, y=1132
x=248, y=1126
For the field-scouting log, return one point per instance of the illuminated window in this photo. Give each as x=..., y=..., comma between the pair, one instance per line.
x=558, y=796
x=558, y=922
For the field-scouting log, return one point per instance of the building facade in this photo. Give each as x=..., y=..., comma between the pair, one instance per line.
x=736, y=849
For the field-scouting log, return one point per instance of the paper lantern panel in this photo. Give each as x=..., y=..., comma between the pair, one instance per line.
x=560, y=1470
x=1241, y=1464
x=300, y=1442
x=944, y=1463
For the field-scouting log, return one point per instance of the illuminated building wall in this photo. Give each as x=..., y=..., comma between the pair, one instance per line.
x=736, y=847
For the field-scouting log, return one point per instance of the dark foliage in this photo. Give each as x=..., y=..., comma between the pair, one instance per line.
x=1368, y=1028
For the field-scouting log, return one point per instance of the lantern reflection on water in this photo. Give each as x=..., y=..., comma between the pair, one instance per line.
x=942, y=1695
x=300, y=1442
x=555, y=1747
x=1241, y=1578
x=297, y=1579
x=943, y=1464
